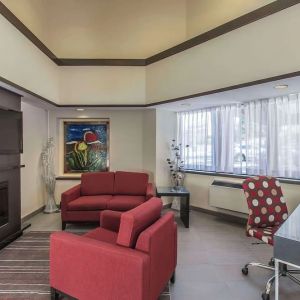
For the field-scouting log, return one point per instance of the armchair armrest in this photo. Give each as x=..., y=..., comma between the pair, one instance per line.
x=89, y=269
x=69, y=195
x=110, y=220
x=150, y=192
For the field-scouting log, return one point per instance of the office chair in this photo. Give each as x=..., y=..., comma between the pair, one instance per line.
x=267, y=211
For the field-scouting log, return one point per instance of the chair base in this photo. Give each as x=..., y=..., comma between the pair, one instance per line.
x=282, y=272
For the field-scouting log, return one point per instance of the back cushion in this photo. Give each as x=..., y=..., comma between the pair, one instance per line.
x=267, y=206
x=98, y=183
x=131, y=183
x=134, y=221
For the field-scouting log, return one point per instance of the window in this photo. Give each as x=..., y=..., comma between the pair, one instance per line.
x=257, y=137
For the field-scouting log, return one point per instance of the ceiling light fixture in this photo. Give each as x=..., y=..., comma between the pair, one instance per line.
x=281, y=86
x=80, y=109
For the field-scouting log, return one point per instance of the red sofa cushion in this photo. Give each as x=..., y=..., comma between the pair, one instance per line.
x=133, y=222
x=130, y=183
x=90, y=203
x=98, y=183
x=123, y=202
x=103, y=235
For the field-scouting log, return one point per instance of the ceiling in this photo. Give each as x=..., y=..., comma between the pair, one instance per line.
x=123, y=29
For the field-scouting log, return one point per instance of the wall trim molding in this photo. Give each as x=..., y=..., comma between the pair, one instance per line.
x=151, y=104
x=71, y=62
x=253, y=16
x=7, y=14
x=32, y=214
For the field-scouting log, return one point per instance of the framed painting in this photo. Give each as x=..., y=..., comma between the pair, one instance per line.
x=86, y=146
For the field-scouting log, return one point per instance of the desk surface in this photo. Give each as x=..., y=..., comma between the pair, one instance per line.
x=170, y=191
x=287, y=239
x=290, y=229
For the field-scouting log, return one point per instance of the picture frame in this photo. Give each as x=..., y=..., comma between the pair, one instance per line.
x=86, y=145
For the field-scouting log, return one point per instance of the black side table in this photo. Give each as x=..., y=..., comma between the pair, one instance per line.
x=184, y=195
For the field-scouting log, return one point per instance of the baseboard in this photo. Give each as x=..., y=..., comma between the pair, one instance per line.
x=220, y=215
x=167, y=205
x=32, y=214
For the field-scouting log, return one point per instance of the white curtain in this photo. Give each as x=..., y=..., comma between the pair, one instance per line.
x=260, y=137
x=256, y=139
x=227, y=139
x=284, y=136
x=195, y=129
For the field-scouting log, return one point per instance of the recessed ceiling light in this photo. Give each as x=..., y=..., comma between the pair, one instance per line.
x=281, y=86
x=185, y=104
x=80, y=109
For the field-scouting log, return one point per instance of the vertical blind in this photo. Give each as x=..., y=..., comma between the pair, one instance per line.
x=257, y=137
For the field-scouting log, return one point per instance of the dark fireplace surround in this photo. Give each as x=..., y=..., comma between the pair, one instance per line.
x=10, y=192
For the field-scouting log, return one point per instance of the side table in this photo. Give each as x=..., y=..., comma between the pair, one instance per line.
x=184, y=196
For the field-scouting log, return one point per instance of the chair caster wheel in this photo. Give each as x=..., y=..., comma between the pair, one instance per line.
x=245, y=271
x=265, y=296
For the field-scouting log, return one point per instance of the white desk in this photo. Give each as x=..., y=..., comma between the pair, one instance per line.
x=287, y=246
x=277, y=262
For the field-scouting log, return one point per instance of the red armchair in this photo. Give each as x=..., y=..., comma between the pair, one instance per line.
x=119, y=191
x=131, y=256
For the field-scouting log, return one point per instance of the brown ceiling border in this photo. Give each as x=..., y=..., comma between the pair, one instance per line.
x=152, y=104
x=7, y=14
x=99, y=62
x=239, y=22
x=228, y=88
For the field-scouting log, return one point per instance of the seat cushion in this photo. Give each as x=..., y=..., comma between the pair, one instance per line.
x=264, y=234
x=102, y=235
x=90, y=203
x=124, y=203
x=97, y=183
x=130, y=183
x=134, y=221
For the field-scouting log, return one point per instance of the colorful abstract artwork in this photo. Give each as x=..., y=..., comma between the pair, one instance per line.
x=86, y=146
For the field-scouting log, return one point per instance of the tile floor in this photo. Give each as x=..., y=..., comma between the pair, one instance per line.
x=210, y=256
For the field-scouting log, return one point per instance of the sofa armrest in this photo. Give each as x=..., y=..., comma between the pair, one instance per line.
x=150, y=192
x=110, y=220
x=69, y=195
x=85, y=268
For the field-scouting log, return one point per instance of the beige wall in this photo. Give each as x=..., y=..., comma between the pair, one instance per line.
x=24, y=64
x=105, y=85
x=239, y=56
x=149, y=142
x=259, y=50
x=126, y=139
x=204, y=15
x=165, y=132
x=34, y=138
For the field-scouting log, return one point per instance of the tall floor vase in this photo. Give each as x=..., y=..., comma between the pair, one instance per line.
x=49, y=177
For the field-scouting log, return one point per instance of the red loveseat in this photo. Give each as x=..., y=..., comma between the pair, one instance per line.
x=119, y=191
x=132, y=256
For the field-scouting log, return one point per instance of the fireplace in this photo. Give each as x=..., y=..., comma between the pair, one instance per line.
x=10, y=193
x=3, y=203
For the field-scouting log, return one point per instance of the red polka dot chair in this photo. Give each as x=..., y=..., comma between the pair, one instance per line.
x=267, y=211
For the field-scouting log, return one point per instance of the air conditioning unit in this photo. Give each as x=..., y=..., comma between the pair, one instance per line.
x=228, y=195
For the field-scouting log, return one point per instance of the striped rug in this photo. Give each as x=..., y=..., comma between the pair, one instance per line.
x=24, y=268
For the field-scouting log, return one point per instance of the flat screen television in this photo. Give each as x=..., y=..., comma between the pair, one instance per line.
x=11, y=132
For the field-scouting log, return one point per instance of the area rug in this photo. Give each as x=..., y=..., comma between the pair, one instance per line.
x=24, y=269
